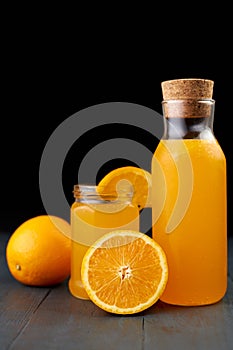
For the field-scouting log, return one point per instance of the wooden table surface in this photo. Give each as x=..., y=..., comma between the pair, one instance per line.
x=51, y=318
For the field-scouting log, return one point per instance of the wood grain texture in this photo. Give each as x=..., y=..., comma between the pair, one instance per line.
x=17, y=302
x=51, y=318
x=206, y=327
x=63, y=322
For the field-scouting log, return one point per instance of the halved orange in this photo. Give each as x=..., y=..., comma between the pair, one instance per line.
x=124, y=272
x=139, y=178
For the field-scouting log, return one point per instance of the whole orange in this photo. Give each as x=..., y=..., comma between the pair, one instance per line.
x=38, y=252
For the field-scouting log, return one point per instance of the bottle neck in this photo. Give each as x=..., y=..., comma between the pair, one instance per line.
x=188, y=119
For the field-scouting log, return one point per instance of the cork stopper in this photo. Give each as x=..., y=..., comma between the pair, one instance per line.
x=186, y=97
x=182, y=89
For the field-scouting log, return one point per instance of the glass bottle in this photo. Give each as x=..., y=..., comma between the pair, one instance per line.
x=189, y=195
x=94, y=213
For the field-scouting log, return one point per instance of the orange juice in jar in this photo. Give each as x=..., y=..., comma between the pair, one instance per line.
x=189, y=196
x=93, y=215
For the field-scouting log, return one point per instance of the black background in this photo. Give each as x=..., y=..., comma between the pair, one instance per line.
x=52, y=71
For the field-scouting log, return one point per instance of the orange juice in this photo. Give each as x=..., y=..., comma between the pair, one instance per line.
x=189, y=195
x=90, y=219
x=192, y=232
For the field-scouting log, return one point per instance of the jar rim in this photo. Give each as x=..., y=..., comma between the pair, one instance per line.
x=89, y=190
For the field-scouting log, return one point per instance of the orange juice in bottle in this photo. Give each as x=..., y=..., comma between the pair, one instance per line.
x=93, y=215
x=189, y=195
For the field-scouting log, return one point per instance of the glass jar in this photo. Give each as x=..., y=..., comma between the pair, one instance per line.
x=93, y=214
x=189, y=195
